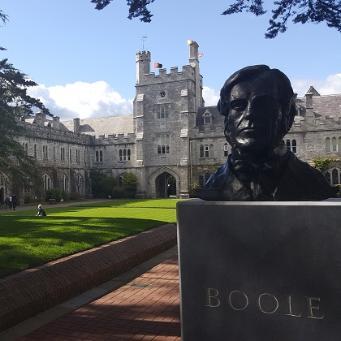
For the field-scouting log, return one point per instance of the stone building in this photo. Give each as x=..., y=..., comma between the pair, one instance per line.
x=172, y=142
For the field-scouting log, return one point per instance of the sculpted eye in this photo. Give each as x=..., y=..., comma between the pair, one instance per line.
x=238, y=104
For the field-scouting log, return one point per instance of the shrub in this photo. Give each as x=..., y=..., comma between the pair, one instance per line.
x=54, y=193
x=101, y=185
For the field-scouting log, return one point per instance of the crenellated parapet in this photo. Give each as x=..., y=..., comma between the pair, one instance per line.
x=187, y=72
x=115, y=139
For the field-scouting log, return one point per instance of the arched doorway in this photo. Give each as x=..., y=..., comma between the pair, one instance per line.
x=165, y=185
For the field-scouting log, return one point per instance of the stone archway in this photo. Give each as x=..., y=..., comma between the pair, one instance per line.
x=165, y=185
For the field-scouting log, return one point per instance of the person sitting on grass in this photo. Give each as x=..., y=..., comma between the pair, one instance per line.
x=41, y=212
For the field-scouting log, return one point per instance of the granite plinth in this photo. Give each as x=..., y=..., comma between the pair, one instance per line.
x=260, y=271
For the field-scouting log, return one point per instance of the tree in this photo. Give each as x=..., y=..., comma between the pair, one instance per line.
x=300, y=11
x=15, y=105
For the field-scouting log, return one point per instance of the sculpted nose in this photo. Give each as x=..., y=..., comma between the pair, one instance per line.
x=248, y=111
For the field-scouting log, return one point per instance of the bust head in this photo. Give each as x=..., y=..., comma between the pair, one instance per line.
x=259, y=108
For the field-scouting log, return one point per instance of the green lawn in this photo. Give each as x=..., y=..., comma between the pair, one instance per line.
x=27, y=240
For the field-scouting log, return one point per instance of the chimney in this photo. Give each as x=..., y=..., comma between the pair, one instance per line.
x=193, y=50
x=76, y=125
x=55, y=122
x=39, y=119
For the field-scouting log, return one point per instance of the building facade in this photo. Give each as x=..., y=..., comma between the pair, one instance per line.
x=172, y=142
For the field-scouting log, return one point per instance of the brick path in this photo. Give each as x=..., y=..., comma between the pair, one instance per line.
x=146, y=308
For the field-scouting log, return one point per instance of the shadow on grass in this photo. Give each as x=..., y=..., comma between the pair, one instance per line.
x=27, y=241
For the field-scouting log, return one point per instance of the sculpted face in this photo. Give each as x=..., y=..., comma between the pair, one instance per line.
x=254, y=119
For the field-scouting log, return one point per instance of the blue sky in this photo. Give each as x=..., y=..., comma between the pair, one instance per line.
x=84, y=59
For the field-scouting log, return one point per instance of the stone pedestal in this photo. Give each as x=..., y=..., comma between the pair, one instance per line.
x=260, y=271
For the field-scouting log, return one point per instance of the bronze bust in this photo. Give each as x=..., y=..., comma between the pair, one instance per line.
x=259, y=108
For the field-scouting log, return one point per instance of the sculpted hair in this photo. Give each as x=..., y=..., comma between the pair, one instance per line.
x=281, y=82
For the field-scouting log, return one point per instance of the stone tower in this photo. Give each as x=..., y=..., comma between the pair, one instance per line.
x=165, y=108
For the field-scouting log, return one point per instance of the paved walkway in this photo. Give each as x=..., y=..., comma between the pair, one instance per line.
x=145, y=308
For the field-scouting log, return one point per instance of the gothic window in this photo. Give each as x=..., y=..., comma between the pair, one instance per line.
x=78, y=157
x=99, y=156
x=25, y=145
x=62, y=154
x=45, y=153
x=207, y=150
x=163, y=145
x=335, y=176
x=162, y=110
x=201, y=150
x=35, y=151
x=291, y=145
x=226, y=149
x=207, y=118
x=70, y=155
x=334, y=144
x=47, y=182
x=124, y=154
x=327, y=144
x=65, y=183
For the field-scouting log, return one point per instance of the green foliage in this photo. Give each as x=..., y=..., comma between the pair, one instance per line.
x=129, y=182
x=55, y=193
x=322, y=164
x=101, y=185
x=104, y=186
x=301, y=11
x=15, y=105
x=27, y=240
x=137, y=8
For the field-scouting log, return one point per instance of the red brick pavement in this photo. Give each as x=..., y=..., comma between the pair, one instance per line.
x=146, y=308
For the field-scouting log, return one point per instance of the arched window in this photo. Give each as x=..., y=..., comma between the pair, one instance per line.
x=201, y=150
x=334, y=144
x=293, y=146
x=287, y=142
x=47, y=183
x=207, y=118
x=65, y=183
x=335, y=176
x=327, y=144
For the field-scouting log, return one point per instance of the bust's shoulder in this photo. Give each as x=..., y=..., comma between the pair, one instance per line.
x=303, y=181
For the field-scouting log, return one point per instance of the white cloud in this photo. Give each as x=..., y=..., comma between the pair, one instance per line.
x=81, y=99
x=330, y=85
x=211, y=96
